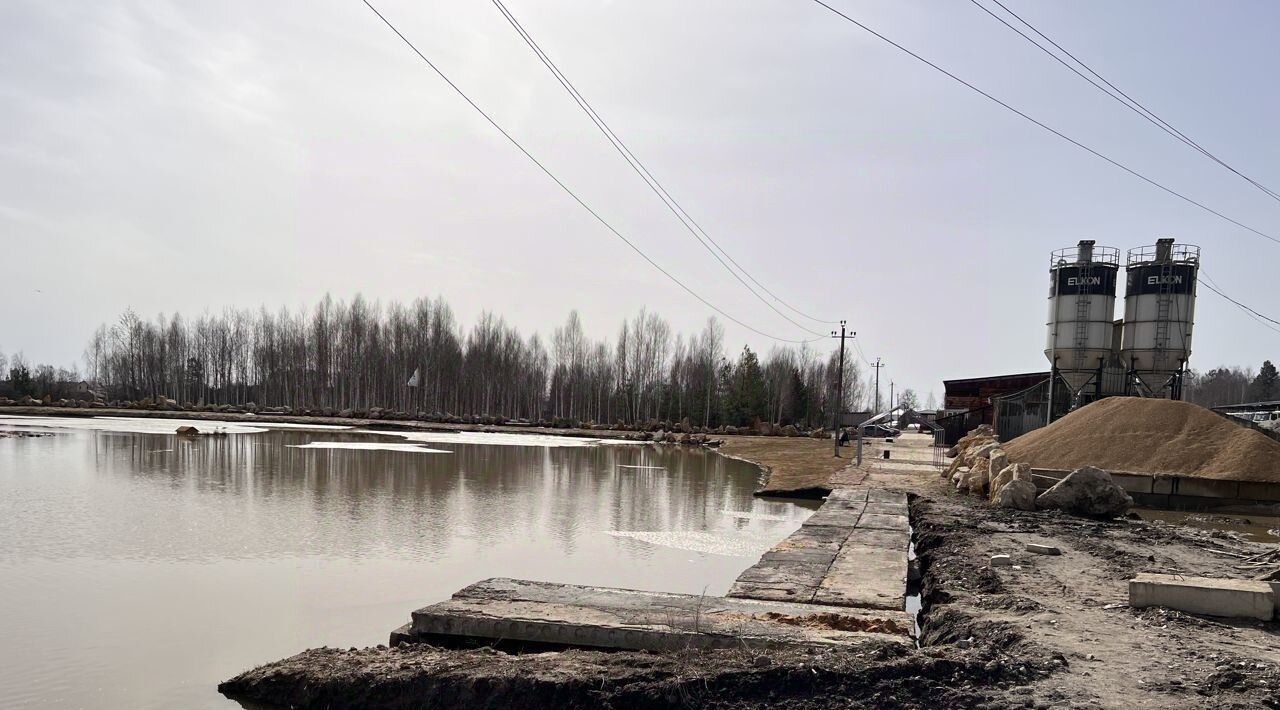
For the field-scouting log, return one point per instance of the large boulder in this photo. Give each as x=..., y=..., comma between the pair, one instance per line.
x=790, y=430
x=981, y=451
x=1017, y=494
x=1087, y=491
x=1012, y=472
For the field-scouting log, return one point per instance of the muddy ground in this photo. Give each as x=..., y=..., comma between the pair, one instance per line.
x=1050, y=632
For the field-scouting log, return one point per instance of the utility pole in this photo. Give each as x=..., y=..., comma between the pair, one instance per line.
x=878, y=365
x=890, y=394
x=835, y=426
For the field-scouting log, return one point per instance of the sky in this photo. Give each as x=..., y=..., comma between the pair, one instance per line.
x=187, y=156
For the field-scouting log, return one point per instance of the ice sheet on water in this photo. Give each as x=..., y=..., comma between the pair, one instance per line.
x=494, y=438
x=128, y=425
x=368, y=446
x=734, y=543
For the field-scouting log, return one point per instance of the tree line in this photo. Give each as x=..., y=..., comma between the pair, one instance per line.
x=359, y=354
x=1222, y=386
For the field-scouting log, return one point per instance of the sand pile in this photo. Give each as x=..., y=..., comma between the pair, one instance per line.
x=1150, y=436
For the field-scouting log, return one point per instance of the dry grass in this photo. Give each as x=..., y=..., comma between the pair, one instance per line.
x=794, y=465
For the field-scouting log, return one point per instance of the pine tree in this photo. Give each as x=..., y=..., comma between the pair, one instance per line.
x=1266, y=386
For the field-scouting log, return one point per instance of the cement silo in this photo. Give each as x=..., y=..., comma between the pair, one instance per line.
x=1082, y=301
x=1159, y=310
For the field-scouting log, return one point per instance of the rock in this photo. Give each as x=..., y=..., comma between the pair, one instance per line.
x=980, y=477
x=187, y=430
x=1086, y=491
x=790, y=430
x=982, y=452
x=1001, y=561
x=1016, y=494
x=685, y=426
x=999, y=461
x=1008, y=473
x=818, y=434
x=1043, y=549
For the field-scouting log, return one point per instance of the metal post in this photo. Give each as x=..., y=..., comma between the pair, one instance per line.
x=877, y=366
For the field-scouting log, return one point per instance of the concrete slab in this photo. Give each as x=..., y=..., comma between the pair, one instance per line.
x=848, y=494
x=835, y=516
x=783, y=574
x=872, y=521
x=885, y=509
x=766, y=592
x=1204, y=595
x=815, y=537
x=598, y=617
x=800, y=556
x=870, y=571
x=878, y=495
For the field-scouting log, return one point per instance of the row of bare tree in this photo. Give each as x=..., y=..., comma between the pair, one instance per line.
x=358, y=355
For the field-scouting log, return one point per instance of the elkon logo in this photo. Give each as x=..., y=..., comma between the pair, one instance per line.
x=1084, y=280
x=1157, y=280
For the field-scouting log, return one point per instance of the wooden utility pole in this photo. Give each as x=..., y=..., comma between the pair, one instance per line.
x=835, y=426
x=878, y=365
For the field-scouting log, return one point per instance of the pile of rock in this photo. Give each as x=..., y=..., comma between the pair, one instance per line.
x=982, y=468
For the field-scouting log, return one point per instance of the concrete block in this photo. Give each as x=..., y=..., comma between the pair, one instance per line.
x=1207, y=488
x=1133, y=482
x=1001, y=561
x=766, y=592
x=1204, y=595
x=836, y=516
x=1043, y=549
x=878, y=495
x=1260, y=491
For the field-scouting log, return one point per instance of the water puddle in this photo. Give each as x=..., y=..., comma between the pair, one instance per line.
x=1256, y=528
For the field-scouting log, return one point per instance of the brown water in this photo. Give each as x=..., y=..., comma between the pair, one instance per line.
x=138, y=570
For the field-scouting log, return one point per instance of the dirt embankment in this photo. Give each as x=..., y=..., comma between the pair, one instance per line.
x=1052, y=632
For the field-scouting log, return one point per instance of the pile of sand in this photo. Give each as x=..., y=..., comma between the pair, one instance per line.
x=1151, y=436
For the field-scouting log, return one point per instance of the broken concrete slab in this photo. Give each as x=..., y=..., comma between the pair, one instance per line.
x=599, y=617
x=1204, y=595
x=1001, y=561
x=1043, y=549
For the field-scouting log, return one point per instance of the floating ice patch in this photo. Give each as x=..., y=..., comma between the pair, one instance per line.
x=368, y=446
x=643, y=468
x=746, y=515
x=129, y=425
x=732, y=543
x=494, y=438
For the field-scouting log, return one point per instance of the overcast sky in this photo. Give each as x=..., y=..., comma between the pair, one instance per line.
x=188, y=156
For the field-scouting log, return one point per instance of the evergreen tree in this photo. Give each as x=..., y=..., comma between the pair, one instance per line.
x=1266, y=386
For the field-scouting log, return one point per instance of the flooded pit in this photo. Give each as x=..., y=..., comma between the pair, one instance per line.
x=140, y=568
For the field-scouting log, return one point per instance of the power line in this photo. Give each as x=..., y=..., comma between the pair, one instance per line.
x=645, y=174
x=1265, y=320
x=1045, y=126
x=1113, y=91
x=565, y=187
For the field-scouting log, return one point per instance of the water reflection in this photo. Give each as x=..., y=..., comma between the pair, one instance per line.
x=140, y=569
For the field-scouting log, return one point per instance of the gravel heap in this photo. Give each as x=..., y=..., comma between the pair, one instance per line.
x=1132, y=434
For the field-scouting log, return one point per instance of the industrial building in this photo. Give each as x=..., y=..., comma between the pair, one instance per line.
x=1092, y=354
